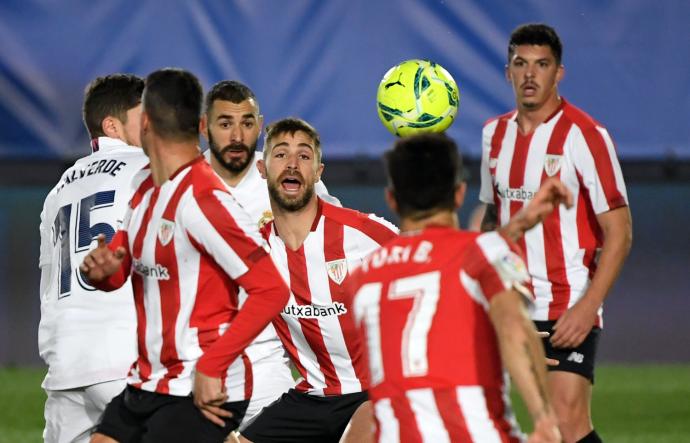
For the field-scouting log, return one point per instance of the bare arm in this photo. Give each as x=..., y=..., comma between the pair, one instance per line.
x=574, y=325
x=551, y=194
x=490, y=220
x=523, y=356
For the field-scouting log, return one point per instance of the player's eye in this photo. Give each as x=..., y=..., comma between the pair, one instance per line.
x=248, y=125
x=305, y=157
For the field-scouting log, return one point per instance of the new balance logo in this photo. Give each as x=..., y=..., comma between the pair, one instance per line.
x=158, y=272
x=313, y=311
x=576, y=357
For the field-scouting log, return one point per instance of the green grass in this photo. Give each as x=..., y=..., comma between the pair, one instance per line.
x=631, y=404
x=638, y=404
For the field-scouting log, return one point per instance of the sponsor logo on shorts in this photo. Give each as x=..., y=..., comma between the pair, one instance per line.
x=314, y=311
x=157, y=271
x=576, y=357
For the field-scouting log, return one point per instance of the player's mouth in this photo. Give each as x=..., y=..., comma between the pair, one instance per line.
x=291, y=184
x=235, y=151
x=529, y=89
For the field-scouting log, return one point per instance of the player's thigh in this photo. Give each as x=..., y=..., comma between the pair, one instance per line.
x=272, y=378
x=571, y=393
x=183, y=422
x=100, y=394
x=579, y=360
x=66, y=417
x=297, y=416
x=362, y=425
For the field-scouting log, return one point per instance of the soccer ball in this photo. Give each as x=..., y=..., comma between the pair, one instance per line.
x=417, y=96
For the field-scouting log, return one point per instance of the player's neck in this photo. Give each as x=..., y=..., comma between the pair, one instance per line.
x=447, y=219
x=529, y=118
x=167, y=157
x=294, y=226
x=230, y=178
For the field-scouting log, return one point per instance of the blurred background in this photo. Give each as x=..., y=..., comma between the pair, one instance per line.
x=627, y=64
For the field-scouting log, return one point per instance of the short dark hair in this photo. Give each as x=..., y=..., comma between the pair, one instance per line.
x=229, y=90
x=536, y=34
x=172, y=100
x=112, y=95
x=290, y=125
x=423, y=173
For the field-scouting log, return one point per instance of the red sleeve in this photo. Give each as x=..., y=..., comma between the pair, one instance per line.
x=268, y=295
x=119, y=278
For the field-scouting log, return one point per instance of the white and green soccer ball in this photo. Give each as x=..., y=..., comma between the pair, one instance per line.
x=417, y=96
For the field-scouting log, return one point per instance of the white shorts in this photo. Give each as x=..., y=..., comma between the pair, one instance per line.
x=272, y=378
x=71, y=414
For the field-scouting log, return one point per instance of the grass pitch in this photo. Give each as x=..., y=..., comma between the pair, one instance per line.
x=631, y=404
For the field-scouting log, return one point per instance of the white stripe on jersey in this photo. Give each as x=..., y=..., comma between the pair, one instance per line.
x=473, y=406
x=368, y=309
x=389, y=427
x=427, y=416
x=473, y=289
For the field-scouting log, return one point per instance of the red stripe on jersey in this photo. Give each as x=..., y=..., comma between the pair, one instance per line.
x=496, y=144
x=600, y=153
x=517, y=175
x=495, y=403
x=299, y=285
x=248, y=376
x=223, y=223
x=143, y=364
x=408, y=429
x=553, y=237
x=333, y=250
x=375, y=230
x=451, y=414
x=169, y=291
x=478, y=267
x=141, y=191
x=283, y=331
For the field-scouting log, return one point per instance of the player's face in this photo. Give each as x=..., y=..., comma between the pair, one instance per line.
x=132, y=129
x=233, y=130
x=534, y=74
x=291, y=170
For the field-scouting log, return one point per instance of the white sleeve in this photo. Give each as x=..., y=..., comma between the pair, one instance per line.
x=595, y=160
x=322, y=192
x=46, y=232
x=486, y=191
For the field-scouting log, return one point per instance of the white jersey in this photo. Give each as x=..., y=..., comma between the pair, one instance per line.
x=562, y=251
x=252, y=194
x=86, y=336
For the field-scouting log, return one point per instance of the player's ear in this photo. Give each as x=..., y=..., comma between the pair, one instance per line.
x=460, y=194
x=506, y=70
x=109, y=126
x=260, y=122
x=319, y=171
x=390, y=200
x=203, y=126
x=261, y=166
x=560, y=73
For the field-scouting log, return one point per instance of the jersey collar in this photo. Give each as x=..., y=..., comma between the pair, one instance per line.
x=103, y=144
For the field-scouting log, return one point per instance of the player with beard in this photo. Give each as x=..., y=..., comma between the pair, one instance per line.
x=314, y=245
x=232, y=124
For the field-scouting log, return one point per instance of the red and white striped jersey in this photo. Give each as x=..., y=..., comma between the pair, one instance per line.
x=313, y=327
x=562, y=251
x=189, y=247
x=420, y=304
x=85, y=336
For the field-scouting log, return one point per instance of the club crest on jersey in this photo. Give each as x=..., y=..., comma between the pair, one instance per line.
x=552, y=164
x=266, y=217
x=337, y=270
x=166, y=230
